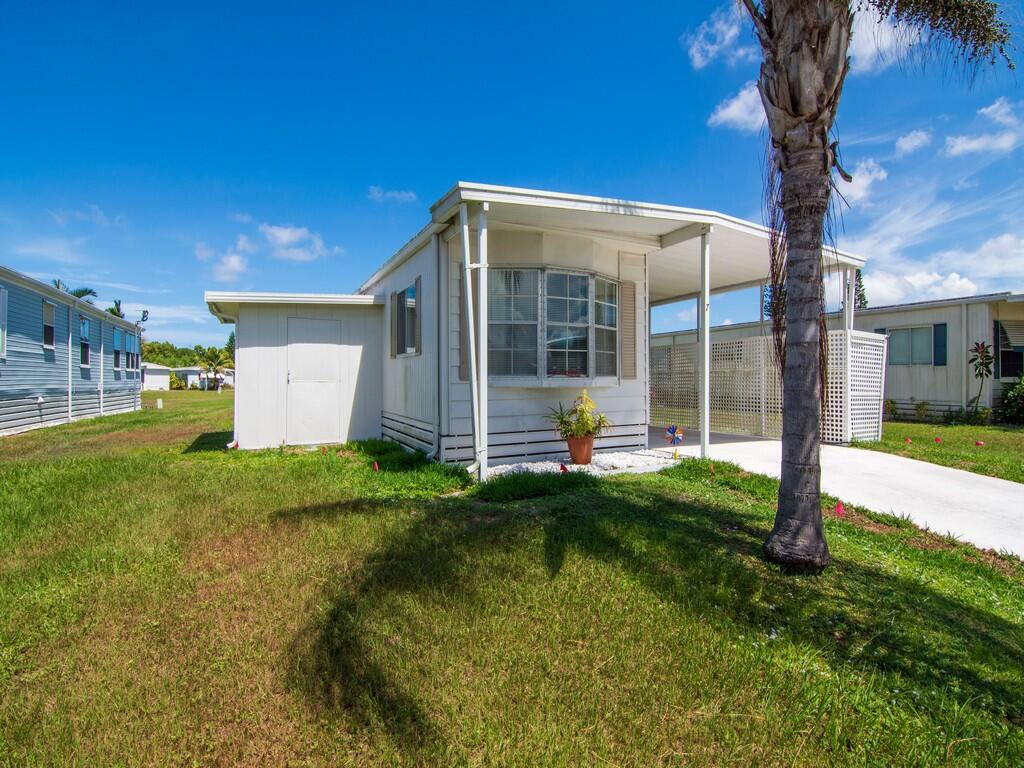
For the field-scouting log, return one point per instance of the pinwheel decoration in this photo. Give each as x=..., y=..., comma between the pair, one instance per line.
x=674, y=435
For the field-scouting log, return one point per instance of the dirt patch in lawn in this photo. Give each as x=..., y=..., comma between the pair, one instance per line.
x=852, y=515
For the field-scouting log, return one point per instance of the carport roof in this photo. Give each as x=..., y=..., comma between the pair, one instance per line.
x=668, y=234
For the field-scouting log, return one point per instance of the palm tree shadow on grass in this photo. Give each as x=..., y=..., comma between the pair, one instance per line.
x=703, y=557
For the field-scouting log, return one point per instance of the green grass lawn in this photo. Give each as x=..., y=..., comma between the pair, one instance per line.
x=1002, y=454
x=166, y=601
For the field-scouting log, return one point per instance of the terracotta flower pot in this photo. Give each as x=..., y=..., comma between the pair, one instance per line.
x=581, y=449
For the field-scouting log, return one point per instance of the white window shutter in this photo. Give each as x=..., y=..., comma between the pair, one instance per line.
x=419, y=315
x=627, y=324
x=394, y=325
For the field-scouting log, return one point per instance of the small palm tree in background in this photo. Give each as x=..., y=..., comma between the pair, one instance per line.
x=115, y=309
x=213, y=363
x=804, y=45
x=86, y=294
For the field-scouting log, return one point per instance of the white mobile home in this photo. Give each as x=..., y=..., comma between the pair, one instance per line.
x=156, y=377
x=928, y=350
x=471, y=375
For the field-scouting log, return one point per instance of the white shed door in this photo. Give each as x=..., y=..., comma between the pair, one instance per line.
x=314, y=381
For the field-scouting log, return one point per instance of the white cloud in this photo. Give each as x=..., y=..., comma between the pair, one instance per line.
x=913, y=141
x=241, y=217
x=743, y=112
x=1003, y=141
x=61, y=250
x=381, y=195
x=92, y=214
x=999, y=259
x=1000, y=112
x=884, y=288
x=203, y=252
x=717, y=37
x=243, y=244
x=230, y=267
x=864, y=176
x=294, y=243
x=687, y=314
x=875, y=43
x=97, y=281
x=727, y=321
x=169, y=314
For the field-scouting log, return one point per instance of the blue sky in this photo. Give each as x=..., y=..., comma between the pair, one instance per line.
x=154, y=151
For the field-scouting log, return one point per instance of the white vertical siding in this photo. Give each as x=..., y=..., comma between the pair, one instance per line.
x=261, y=360
x=410, y=382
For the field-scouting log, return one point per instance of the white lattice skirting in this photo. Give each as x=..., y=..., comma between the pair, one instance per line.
x=746, y=389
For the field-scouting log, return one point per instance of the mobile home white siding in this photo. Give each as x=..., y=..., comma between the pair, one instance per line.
x=940, y=387
x=262, y=364
x=518, y=422
x=409, y=396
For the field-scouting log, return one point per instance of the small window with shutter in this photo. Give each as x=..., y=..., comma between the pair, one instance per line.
x=406, y=338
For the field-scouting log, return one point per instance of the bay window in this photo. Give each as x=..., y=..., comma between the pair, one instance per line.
x=546, y=323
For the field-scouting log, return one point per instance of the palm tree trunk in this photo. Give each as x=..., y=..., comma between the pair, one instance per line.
x=798, y=537
x=804, y=43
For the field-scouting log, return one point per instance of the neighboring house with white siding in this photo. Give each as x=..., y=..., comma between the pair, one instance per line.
x=928, y=349
x=471, y=376
x=927, y=361
x=61, y=358
x=156, y=377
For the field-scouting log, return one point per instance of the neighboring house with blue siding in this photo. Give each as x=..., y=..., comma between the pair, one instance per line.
x=61, y=358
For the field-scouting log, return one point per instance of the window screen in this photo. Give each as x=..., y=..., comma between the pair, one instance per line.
x=83, y=341
x=606, y=327
x=910, y=346
x=117, y=348
x=568, y=324
x=49, y=334
x=512, y=302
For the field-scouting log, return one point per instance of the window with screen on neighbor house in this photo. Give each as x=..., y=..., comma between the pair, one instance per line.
x=49, y=331
x=910, y=346
x=83, y=341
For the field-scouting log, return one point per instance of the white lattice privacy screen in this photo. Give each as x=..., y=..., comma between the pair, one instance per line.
x=746, y=389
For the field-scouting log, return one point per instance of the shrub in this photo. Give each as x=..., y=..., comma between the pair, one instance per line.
x=921, y=410
x=175, y=382
x=890, y=410
x=1011, y=410
x=972, y=416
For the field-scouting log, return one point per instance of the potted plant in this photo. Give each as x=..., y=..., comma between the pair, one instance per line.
x=578, y=426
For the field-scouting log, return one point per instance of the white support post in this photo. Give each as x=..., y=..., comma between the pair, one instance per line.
x=481, y=303
x=102, y=360
x=704, y=320
x=850, y=300
x=71, y=389
x=467, y=290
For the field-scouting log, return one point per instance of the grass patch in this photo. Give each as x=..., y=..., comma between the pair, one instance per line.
x=1002, y=454
x=168, y=603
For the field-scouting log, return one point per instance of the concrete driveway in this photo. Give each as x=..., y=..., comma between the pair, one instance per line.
x=986, y=511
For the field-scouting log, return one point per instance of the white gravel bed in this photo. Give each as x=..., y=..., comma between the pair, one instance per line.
x=603, y=464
